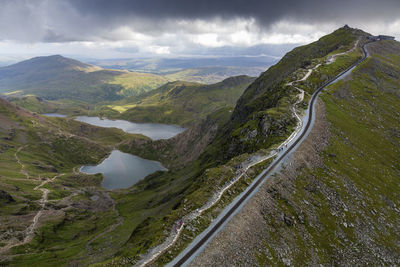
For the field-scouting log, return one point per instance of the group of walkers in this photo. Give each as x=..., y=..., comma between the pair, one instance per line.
x=179, y=223
x=280, y=148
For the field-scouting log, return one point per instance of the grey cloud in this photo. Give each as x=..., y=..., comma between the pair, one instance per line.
x=52, y=37
x=264, y=11
x=82, y=20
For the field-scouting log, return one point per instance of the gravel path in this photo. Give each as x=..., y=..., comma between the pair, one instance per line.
x=23, y=171
x=29, y=232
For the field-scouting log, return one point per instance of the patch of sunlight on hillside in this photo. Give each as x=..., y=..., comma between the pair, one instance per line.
x=14, y=92
x=88, y=69
x=135, y=83
x=120, y=109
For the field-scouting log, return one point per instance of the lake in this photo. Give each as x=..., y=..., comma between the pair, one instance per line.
x=122, y=170
x=153, y=130
x=55, y=115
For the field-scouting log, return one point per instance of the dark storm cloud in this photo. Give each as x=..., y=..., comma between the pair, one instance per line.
x=264, y=11
x=82, y=20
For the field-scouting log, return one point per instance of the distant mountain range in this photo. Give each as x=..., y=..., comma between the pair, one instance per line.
x=165, y=65
x=56, y=77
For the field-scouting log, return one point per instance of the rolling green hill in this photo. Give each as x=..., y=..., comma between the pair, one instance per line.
x=210, y=75
x=348, y=195
x=57, y=77
x=179, y=102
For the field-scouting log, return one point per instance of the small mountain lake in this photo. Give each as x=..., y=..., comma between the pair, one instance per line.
x=54, y=115
x=122, y=170
x=153, y=130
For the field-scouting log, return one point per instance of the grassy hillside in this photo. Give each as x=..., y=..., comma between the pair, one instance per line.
x=352, y=196
x=210, y=75
x=179, y=102
x=263, y=110
x=38, y=157
x=136, y=83
x=336, y=200
x=57, y=77
x=39, y=105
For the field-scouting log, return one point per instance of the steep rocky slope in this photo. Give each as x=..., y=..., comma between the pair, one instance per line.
x=262, y=114
x=337, y=200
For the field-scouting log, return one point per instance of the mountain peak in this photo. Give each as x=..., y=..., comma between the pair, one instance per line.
x=62, y=61
x=50, y=63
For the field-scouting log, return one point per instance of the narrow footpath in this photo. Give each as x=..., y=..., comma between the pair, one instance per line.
x=29, y=232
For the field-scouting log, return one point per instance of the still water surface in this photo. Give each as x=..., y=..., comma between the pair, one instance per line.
x=153, y=130
x=122, y=170
x=54, y=115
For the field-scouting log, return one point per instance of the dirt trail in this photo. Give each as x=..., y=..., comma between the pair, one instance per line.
x=20, y=163
x=332, y=58
x=110, y=229
x=43, y=201
x=30, y=231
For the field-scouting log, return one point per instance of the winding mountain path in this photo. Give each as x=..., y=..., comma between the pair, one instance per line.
x=110, y=229
x=23, y=171
x=332, y=58
x=29, y=232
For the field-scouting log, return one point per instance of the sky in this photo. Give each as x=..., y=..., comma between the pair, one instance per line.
x=175, y=28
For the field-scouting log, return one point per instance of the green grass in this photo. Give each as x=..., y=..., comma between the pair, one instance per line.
x=180, y=103
x=62, y=106
x=263, y=109
x=360, y=170
x=56, y=77
x=135, y=83
x=213, y=177
x=52, y=146
x=210, y=75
